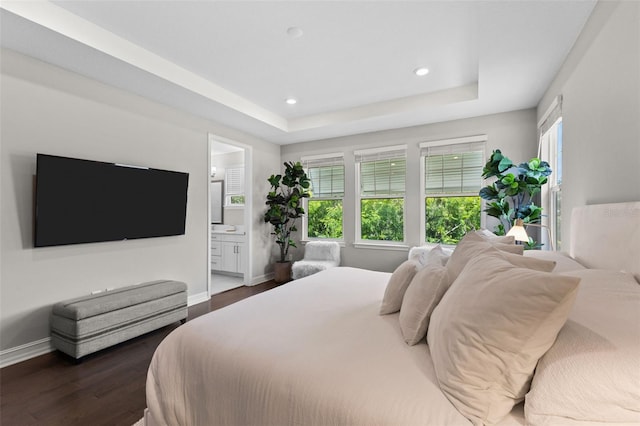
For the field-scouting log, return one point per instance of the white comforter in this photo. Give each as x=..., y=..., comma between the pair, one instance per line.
x=311, y=352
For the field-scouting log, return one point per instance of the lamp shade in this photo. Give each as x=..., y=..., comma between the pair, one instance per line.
x=518, y=232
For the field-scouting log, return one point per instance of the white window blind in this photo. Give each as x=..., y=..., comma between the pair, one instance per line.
x=454, y=168
x=382, y=171
x=234, y=181
x=327, y=175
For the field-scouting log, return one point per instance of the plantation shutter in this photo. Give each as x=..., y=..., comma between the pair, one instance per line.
x=234, y=181
x=327, y=175
x=454, y=166
x=382, y=171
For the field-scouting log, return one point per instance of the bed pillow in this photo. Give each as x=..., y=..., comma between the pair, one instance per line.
x=489, y=330
x=437, y=256
x=591, y=375
x=564, y=262
x=397, y=285
x=471, y=245
x=421, y=253
x=423, y=295
x=485, y=233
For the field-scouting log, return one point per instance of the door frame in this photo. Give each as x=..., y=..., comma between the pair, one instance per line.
x=248, y=207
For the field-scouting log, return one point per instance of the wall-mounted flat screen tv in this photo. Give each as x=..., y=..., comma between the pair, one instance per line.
x=82, y=201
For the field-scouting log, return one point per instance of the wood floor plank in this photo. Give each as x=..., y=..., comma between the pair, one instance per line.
x=107, y=388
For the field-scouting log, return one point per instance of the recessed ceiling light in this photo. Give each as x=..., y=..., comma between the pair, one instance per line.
x=294, y=32
x=291, y=101
x=421, y=71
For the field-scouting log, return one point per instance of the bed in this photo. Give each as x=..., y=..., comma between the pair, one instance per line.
x=317, y=351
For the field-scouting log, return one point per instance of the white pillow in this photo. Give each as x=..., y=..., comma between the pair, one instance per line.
x=420, y=253
x=423, y=295
x=489, y=330
x=437, y=256
x=397, y=285
x=591, y=375
x=471, y=245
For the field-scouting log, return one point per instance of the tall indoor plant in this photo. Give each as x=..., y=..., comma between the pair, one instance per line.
x=512, y=195
x=284, y=207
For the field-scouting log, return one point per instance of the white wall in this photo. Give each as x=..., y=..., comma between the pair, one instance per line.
x=49, y=110
x=600, y=85
x=514, y=133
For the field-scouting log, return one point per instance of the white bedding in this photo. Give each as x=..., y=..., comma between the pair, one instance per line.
x=317, y=352
x=313, y=352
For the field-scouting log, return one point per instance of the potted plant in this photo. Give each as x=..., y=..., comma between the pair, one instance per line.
x=284, y=207
x=511, y=195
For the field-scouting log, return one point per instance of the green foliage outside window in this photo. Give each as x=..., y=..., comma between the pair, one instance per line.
x=237, y=199
x=324, y=219
x=448, y=219
x=382, y=219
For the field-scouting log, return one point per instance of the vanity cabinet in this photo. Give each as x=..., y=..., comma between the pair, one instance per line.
x=226, y=252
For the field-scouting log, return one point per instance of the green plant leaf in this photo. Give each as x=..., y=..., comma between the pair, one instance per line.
x=512, y=193
x=504, y=164
x=489, y=192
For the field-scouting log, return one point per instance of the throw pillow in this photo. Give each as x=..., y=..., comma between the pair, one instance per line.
x=424, y=293
x=397, y=285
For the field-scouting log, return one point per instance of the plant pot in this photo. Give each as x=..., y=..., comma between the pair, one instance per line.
x=282, y=272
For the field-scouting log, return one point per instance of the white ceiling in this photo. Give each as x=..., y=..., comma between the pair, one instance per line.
x=351, y=71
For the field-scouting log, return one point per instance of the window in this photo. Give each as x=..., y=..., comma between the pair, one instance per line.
x=550, y=129
x=381, y=194
x=452, y=171
x=324, y=209
x=234, y=187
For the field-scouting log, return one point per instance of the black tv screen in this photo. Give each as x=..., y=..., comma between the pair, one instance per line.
x=82, y=201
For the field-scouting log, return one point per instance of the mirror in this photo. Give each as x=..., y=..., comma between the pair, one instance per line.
x=217, y=201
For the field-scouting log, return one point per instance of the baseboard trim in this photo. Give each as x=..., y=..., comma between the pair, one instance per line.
x=24, y=352
x=261, y=279
x=194, y=299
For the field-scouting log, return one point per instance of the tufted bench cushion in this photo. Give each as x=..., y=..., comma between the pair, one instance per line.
x=87, y=324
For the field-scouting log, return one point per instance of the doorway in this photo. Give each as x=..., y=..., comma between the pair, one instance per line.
x=229, y=214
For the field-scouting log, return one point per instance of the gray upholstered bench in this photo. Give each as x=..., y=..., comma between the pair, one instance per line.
x=87, y=324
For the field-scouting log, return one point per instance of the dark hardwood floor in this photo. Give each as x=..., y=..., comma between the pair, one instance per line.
x=107, y=388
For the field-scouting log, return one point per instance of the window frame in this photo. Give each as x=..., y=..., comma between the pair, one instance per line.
x=469, y=141
x=548, y=151
x=327, y=160
x=552, y=190
x=381, y=153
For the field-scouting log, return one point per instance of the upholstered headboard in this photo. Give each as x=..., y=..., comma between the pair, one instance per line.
x=607, y=236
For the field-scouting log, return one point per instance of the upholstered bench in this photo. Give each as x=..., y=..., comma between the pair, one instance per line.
x=87, y=324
